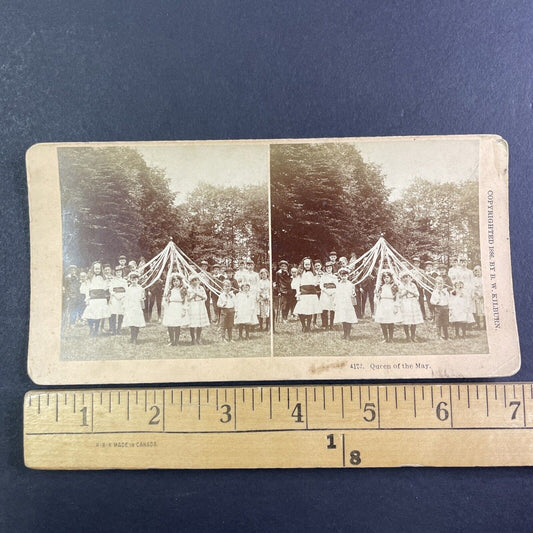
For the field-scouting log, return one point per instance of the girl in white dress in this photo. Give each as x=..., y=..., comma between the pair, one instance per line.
x=133, y=307
x=328, y=287
x=96, y=300
x=387, y=307
x=306, y=294
x=117, y=293
x=479, y=310
x=263, y=299
x=409, y=306
x=344, y=311
x=245, y=313
x=198, y=318
x=460, y=309
x=176, y=315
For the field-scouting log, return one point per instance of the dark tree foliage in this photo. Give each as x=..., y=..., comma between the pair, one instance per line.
x=226, y=223
x=325, y=196
x=438, y=220
x=113, y=203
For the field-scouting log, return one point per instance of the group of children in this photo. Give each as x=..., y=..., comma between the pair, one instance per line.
x=454, y=297
x=241, y=300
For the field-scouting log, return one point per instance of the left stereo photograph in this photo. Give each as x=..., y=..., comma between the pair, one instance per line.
x=154, y=253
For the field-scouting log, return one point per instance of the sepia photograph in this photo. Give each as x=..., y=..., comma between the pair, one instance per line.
x=165, y=252
x=376, y=248
x=270, y=259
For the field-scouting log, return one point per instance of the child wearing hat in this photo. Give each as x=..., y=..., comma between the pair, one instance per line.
x=97, y=295
x=226, y=305
x=71, y=286
x=198, y=318
x=387, y=308
x=440, y=299
x=176, y=315
x=117, y=293
x=328, y=287
x=409, y=307
x=263, y=300
x=318, y=275
x=344, y=310
x=133, y=308
x=245, y=310
x=307, y=303
x=460, y=309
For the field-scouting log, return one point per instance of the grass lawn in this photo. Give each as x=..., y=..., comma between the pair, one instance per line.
x=289, y=341
x=76, y=345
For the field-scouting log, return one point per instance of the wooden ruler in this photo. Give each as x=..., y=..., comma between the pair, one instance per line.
x=352, y=426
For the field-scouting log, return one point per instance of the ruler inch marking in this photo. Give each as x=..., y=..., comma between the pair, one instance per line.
x=235, y=411
x=504, y=396
x=414, y=401
x=523, y=404
x=128, y=406
x=342, y=401
x=396, y=396
x=451, y=406
x=74, y=402
x=92, y=412
x=163, y=406
x=360, y=403
x=253, y=399
x=57, y=407
x=306, y=411
x=487, y=398
x=379, y=409
x=270, y=403
x=468, y=396
x=432, y=401
x=343, y=451
x=199, y=405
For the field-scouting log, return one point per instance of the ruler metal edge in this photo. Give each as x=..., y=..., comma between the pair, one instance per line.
x=280, y=426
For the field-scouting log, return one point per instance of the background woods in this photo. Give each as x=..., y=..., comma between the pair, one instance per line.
x=325, y=196
x=114, y=203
